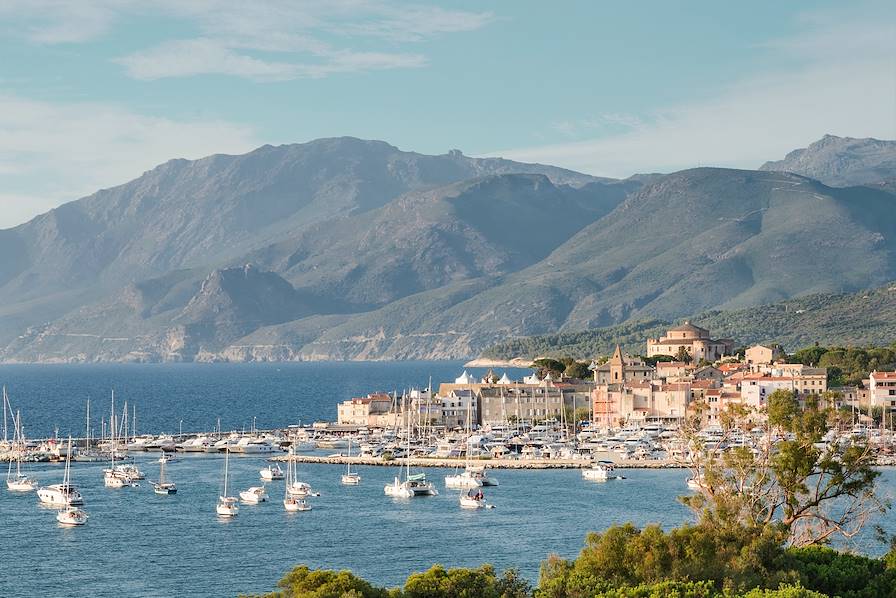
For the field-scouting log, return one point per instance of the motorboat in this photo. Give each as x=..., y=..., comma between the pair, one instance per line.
x=600, y=471
x=114, y=479
x=71, y=517
x=253, y=446
x=199, y=444
x=474, y=499
x=254, y=495
x=271, y=473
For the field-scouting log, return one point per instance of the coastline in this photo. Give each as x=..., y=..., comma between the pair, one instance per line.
x=481, y=362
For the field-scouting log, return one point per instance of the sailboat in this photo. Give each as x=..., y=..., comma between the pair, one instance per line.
x=64, y=494
x=472, y=476
x=163, y=487
x=228, y=506
x=19, y=482
x=413, y=485
x=294, y=492
x=114, y=477
x=350, y=478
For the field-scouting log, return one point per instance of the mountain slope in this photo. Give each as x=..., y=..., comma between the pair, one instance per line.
x=841, y=161
x=373, y=253
x=851, y=319
x=201, y=213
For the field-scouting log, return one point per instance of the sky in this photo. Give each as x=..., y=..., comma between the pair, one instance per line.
x=92, y=94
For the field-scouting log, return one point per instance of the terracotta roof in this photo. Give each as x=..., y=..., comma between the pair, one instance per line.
x=884, y=375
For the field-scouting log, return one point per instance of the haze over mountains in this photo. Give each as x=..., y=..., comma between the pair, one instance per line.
x=361, y=251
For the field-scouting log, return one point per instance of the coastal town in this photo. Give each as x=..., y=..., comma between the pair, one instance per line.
x=625, y=390
x=629, y=410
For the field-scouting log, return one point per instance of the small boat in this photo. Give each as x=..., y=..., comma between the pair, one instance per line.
x=64, y=494
x=413, y=485
x=18, y=482
x=254, y=495
x=350, y=478
x=601, y=471
x=294, y=492
x=71, y=517
x=162, y=487
x=474, y=499
x=271, y=473
x=167, y=458
x=228, y=506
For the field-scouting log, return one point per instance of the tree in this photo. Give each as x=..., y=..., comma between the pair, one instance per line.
x=303, y=582
x=683, y=355
x=547, y=365
x=790, y=483
x=481, y=582
x=578, y=369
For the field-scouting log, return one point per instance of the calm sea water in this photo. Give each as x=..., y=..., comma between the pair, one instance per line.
x=140, y=544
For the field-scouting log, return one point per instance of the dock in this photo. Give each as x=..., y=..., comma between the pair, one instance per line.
x=488, y=463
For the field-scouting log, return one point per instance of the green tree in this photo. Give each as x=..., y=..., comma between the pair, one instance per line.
x=481, y=582
x=578, y=369
x=683, y=355
x=303, y=582
x=812, y=491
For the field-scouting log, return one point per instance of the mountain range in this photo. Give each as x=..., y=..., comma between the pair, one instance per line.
x=351, y=249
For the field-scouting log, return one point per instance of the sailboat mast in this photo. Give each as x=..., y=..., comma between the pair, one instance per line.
x=87, y=447
x=5, y=403
x=226, y=463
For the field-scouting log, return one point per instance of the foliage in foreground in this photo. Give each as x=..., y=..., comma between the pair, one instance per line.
x=627, y=562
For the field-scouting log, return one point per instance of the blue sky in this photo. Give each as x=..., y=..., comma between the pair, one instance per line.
x=94, y=93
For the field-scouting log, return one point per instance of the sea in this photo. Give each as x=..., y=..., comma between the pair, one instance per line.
x=139, y=544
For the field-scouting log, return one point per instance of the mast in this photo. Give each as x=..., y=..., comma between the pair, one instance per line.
x=87, y=447
x=5, y=403
x=226, y=463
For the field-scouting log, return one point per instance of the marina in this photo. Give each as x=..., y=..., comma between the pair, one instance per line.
x=287, y=500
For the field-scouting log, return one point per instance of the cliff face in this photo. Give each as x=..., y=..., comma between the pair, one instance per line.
x=841, y=161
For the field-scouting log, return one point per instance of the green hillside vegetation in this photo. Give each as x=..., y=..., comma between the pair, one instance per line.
x=860, y=319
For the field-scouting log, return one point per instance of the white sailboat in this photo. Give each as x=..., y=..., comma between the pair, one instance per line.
x=162, y=486
x=64, y=494
x=413, y=485
x=115, y=477
x=18, y=482
x=350, y=478
x=228, y=506
x=294, y=492
x=472, y=476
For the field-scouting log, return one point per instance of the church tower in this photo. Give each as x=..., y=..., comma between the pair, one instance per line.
x=617, y=367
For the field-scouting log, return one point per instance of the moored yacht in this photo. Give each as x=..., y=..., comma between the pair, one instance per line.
x=228, y=506
x=271, y=473
x=254, y=495
x=64, y=494
x=600, y=471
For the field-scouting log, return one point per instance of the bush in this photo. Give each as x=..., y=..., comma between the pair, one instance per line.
x=842, y=574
